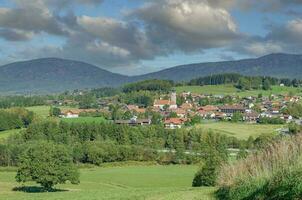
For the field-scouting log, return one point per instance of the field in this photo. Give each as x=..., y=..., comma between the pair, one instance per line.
x=240, y=130
x=84, y=120
x=231, y=90
x=6, y=134
x=43, y=111
x=128, y=182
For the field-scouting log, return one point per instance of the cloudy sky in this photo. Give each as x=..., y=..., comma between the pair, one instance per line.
x=140, y=36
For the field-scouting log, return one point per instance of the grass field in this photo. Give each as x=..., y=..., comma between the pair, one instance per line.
x=129, y=182
x=84, y=120
x=241, y=130
x=231, y=90
x=43, y=111
x=6, y=134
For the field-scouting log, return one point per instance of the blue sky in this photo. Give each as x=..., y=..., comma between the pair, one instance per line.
x=141, y=36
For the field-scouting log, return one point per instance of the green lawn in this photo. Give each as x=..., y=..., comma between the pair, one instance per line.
x=6, y=134
x=43, y=111
x=84, y=120
x=240, y=130
x=129, y=182
x=231, y=90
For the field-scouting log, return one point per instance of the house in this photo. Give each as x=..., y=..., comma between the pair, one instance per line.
x=186, y=106
x=170, y=103
x=180, y=112
x=231, y=109
x=220, y=115
x=209, y=108
x=134, y=122
x=70, y=114
x=135, y=108
x=207, y=111
x=251, y=116
x=174, y=123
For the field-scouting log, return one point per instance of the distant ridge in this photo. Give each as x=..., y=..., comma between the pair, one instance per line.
x=276, y=65
x=48, y=75
x=54, y=75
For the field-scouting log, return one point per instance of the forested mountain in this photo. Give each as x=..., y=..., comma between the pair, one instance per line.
x=275, y=65
x=56, y=75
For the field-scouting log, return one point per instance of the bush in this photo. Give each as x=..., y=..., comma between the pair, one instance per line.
x=208, y=173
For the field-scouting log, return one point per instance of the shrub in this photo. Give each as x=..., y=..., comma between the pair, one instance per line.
x=208, y=173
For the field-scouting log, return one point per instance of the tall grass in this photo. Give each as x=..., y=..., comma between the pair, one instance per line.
x=277, y=168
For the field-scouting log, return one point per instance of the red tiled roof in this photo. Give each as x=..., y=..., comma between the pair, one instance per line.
x=177, y=121
x=161, y=102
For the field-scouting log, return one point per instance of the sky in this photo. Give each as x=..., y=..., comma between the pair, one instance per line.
x=140, y=36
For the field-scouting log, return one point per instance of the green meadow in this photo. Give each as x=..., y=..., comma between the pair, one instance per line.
x=231, y=90
x=240, y=130
x=127, y=182
x=6, y=134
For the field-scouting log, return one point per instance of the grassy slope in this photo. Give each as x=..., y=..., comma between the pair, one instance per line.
x=131, y=182
x=6, y=134
x=231, y=90
x=241, y=130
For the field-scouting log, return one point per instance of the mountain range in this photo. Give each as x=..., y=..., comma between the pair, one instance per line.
x=49, y=75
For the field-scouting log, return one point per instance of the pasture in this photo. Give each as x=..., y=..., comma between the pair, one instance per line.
x=231, y=90
x=240, y=130
x=127, y=182
x=6, y=134
x=43, y=111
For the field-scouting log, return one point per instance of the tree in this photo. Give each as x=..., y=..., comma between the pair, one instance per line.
x=266, y=85
x=55, y=112
x=207, y=175
x=47, y=164
x=114, y=111
x=237, y=116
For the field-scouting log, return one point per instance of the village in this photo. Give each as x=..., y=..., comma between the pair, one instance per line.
x=178, y=110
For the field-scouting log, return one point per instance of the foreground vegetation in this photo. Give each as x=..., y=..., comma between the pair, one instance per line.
x=127, y=182
x=272, y=174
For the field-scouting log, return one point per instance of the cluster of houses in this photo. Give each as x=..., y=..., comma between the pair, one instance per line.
x=251, y=109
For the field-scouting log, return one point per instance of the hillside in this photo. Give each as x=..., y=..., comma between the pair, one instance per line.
x=57, y=75
x=276, y=65
x=54, y=75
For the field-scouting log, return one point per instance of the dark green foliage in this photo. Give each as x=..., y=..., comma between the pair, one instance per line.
x=142, y=98
x=294, y=109
x=21, y=101
x=294, y=128
x=54, y=112
x=47, y=164
x=237, y=117
x=97, y=143
x=273, y=120
x=216, y=79
x=242, y=153
x=149, y=85
x=266, y=85
x=207, y=175
x=15, y=118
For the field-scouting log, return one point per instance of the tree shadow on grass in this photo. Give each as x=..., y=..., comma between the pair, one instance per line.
x=36, y=189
